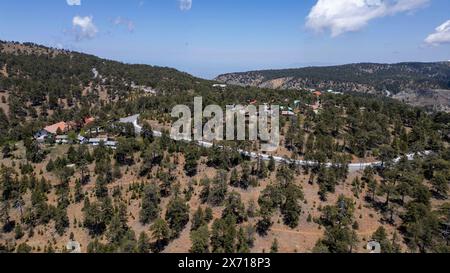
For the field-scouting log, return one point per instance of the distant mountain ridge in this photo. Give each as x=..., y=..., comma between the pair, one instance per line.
x=413, y=78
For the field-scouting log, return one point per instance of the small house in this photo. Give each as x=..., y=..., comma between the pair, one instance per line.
x=97, y=141
x=111, y=144
x=73, y=247
x=62, y=139
x=288, y=113
x=149, y=90
x=96, y=130
x=41, y=136
x=88, y=120
x=60, y=126
x=317, y=93
x=82, y=139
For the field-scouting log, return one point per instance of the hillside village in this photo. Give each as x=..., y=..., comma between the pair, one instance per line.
x=82, y=171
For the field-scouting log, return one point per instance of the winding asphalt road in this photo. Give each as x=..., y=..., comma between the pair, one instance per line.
x=353, y=167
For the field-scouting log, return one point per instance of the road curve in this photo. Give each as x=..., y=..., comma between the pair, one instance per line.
x=353, y=167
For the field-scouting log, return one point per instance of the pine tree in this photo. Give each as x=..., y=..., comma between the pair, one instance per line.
x=242, y=242
x=24, y=248
x=160, y=230
x=274, y=247
x=147, y=133
x=101, y=189
x=421, y=227
x=18, y=232
x=200, y=240
x=7, y=151
x=440, y=183
x=234, y=178
x=291, y=210
x=235, y=208
x=337, y=219
x=143, y=245
x=116, y=230
x=223, y=235
x=161, y=233
x=264, y=224
x=177, y=214
x=219, y=188
x=356, y=187
x=190, y=166
x=372, y=188
x=262, y=170
x=198, y=219
x=208, y=214
x=150, y=204
x=78, y=192
x=61, y=220
x=271, y=165
x=245, y=177
x=381, y=237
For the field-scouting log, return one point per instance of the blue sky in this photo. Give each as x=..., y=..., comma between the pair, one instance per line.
x=209, y=37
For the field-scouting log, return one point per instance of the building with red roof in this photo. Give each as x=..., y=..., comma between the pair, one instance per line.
x=60, y=126
x=89, y=120
x=317, y=93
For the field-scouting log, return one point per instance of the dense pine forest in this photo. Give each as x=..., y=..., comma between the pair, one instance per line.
x=153, y=194
x=380, y=77
x=419, y=84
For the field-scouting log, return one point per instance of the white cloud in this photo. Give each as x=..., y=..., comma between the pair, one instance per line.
x=185, y=4
x=340, y=16
x=440, y=36
x=84, y=27
x=124, y=22
x=73, y=2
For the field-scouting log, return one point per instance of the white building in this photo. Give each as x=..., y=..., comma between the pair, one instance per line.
x=63, y=139
x=97, y=141
x=73, y=247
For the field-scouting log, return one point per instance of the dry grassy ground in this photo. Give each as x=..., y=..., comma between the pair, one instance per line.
x=300, y=239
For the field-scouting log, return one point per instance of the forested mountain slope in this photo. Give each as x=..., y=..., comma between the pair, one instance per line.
x=36, y=76
x=149, y=193
x=46, y=85
x=418, y=80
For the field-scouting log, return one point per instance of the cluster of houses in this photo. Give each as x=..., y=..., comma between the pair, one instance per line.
x=289, y=111
x=217, y=85
x=243, y=109
x=329, y=91
x=285, y=111
x=145, y=89
x=56, y=129
x=59, y=132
